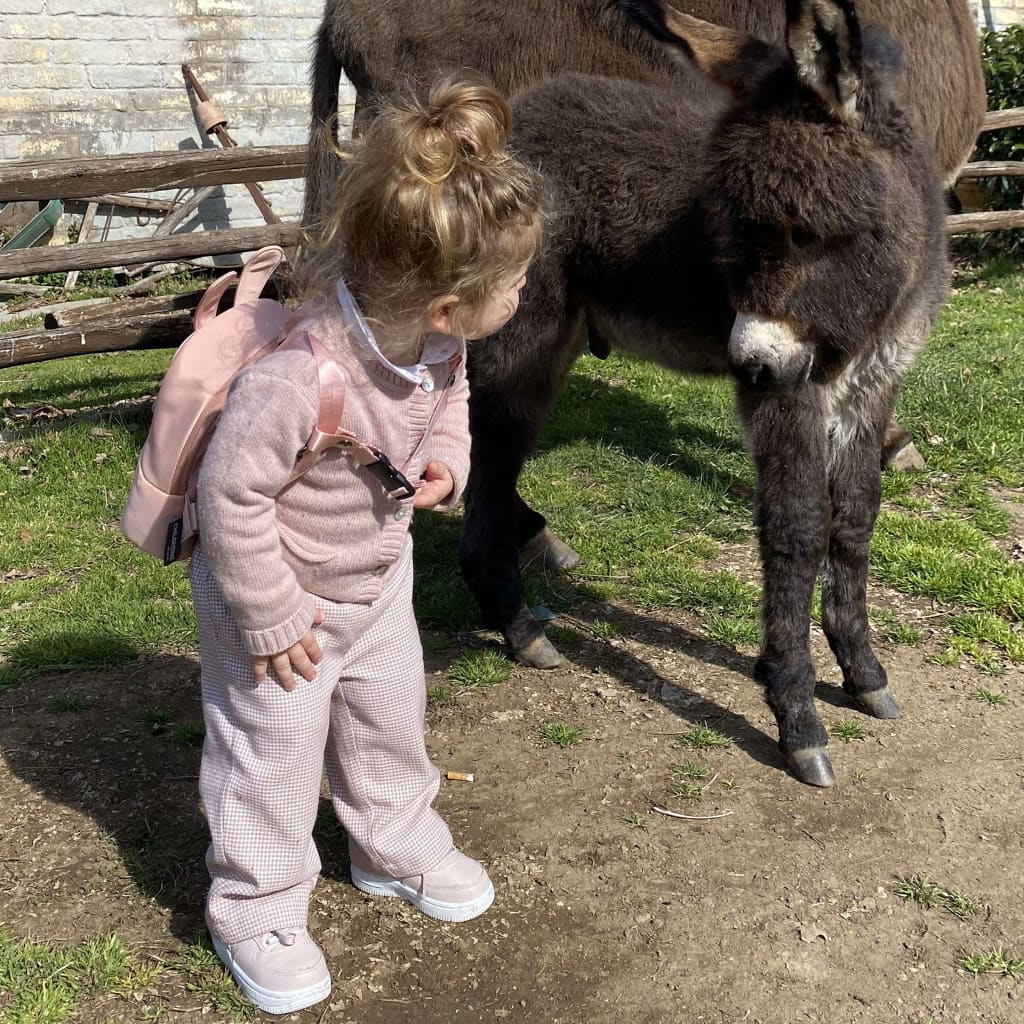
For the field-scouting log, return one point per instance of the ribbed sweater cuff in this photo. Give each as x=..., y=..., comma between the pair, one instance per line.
x=275, y=639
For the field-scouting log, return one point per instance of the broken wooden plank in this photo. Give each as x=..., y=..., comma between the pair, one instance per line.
x=14, y=289
x=102, y=334
x=995, y=119
x=992, y=220
x=82, y=317
x=147, y=284
x=132, y=202
x=56, y=308
x=993, y=169
x=93, y=255
x=81, y=177
x=83, y=236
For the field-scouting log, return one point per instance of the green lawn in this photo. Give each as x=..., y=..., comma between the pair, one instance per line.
x=641, y=471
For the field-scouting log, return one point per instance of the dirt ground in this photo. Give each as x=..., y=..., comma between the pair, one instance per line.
x=781, y=912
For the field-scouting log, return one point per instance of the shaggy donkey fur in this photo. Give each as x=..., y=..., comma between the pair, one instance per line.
x=787, y=229
x=518, y=43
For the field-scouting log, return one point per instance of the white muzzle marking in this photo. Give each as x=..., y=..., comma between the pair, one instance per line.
x=756, y=340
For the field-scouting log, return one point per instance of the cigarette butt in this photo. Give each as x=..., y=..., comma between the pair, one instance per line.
x=459, y=776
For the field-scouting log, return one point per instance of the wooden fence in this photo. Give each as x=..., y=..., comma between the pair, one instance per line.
x=136, y=324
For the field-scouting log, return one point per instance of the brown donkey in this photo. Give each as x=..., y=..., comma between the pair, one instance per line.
x=381, y=46
x=789, y=230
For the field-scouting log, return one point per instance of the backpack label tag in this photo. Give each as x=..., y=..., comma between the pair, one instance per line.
x=172, y=541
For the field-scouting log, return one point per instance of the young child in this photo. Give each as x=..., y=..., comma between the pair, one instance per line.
x=310, y=652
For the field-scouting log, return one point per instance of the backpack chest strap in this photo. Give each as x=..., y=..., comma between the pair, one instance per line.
x=328, y=433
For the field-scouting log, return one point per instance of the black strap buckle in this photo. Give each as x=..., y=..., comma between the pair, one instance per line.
x=392, y=478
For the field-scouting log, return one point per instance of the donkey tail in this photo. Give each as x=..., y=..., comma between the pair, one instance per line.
x=322, y=162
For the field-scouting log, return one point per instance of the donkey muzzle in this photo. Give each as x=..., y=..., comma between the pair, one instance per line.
x=766, y=353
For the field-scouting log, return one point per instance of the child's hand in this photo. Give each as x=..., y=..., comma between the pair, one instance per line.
x=302, y=657
x=436, y=485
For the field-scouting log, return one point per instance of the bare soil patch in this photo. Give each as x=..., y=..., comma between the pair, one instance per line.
x=781, y=912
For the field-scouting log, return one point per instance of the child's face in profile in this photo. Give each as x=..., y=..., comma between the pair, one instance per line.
x=497, y=309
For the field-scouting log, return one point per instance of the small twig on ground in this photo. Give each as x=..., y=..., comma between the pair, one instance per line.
x=813, y=839
x=147, y=284
x=688, y=817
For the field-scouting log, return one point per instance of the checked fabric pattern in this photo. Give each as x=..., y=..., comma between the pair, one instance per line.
x=265, y=752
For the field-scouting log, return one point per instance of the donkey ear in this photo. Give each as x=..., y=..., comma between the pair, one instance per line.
x=824, y=40
x=725, y=55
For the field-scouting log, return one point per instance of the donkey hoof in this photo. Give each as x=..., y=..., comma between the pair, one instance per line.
x=539, y=653
x=547, y=550
x=878, y=703
x=899, y=451
x=811, y=765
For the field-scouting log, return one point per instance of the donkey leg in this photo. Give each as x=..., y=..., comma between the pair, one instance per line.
x=488, y=550
x=538, y=544
x=788, y=441
x=855, y=486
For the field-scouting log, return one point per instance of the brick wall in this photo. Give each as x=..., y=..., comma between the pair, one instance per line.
x=997, y=14
x=90, y=77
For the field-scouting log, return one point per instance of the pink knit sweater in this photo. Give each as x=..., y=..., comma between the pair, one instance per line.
x=335, y=532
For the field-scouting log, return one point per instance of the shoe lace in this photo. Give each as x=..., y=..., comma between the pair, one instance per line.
x=281, y=936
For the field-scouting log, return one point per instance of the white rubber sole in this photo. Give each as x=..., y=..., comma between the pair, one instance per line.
x=265, y=999
x=437, y=909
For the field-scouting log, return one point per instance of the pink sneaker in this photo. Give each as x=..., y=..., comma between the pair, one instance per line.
x=280, y=971
x=458, y=889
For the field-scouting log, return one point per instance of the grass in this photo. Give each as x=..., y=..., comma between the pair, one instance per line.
x=440, y=695
x=67, y=703
x=644, y=472
x=992, y=961
x=190, y=734
x=901, y=633
x=704, y=737
x=689, y=772
x=637, y=821
x=206, y=978
x=561, y=734
x=43, y=983
x=994, y=698
x=733, y=630
x=156, y=719
x=928, y=894
x=480, y=669
x=847, y=730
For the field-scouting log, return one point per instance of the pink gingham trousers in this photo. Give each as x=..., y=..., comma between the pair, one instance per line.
x=265, y=752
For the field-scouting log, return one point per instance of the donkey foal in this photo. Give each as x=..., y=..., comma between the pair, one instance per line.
x=788, y=230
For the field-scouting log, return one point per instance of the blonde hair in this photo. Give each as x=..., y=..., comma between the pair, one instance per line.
x=429, y=203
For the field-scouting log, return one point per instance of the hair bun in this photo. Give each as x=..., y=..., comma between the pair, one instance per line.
x=461, y=120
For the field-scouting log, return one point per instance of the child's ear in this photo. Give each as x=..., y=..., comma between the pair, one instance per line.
x=440, y=313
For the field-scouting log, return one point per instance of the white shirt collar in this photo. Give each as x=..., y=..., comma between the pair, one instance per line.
x=438, y=348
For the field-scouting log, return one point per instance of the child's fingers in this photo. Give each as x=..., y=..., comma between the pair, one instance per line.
x=259, y=669
x=282, y=665
x=300, y=661
x=311, y=647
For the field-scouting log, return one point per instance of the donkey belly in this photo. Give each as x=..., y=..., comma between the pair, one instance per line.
x=683, y=347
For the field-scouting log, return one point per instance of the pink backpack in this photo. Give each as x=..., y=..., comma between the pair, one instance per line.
x=160, y=513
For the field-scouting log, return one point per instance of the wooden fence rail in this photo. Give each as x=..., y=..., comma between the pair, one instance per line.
x=84, y=177
x=93, y=255
x=130, y=325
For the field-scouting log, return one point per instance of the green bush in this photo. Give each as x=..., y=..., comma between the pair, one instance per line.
x=1002, y=58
